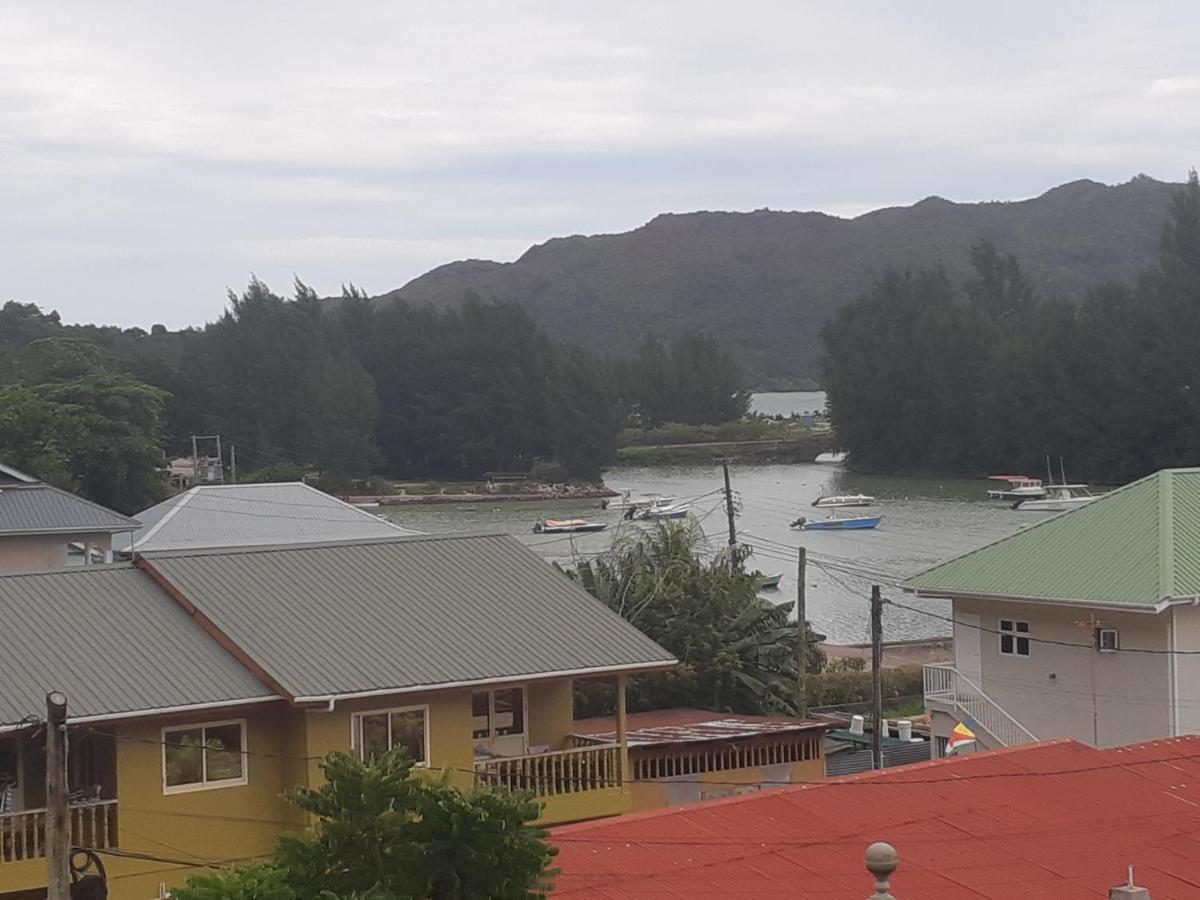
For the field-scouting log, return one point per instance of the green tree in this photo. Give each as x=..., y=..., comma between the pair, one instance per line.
x=262, y=881
x=737, y=651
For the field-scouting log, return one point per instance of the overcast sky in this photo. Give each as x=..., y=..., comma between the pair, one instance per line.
x=154, y=154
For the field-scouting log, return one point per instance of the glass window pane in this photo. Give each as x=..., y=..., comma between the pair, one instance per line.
x=183, y=752
x=1006, y=625
x=479, y=715
x=408, y=731
x=1023, y=627
x=1006, y=643
x=373, y=736
x=1022, y=646
x=223, y=744
x=510, y=712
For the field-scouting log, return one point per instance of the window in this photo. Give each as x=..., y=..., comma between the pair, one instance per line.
x=498, y=713
x=204, y=756
x=1107, y=640
x=1014, y=637
x=375, y=733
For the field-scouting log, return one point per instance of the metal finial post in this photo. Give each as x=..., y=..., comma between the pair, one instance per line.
x=882, y=860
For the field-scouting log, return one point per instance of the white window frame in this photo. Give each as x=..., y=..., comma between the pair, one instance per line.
x=356, y=728
x=1015, y=635
x=491, y=692
x=1116, y=640
x=204, y=784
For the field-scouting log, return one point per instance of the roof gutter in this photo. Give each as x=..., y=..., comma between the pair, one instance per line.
x=149, y=713
x=935, y=594
x=330, y=699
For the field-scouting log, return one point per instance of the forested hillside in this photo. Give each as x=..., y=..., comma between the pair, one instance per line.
x=765, y=282
x=929, y=372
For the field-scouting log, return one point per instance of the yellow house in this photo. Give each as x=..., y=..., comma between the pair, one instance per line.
x=203, y=685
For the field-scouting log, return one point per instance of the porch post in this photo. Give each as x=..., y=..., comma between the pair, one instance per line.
x=622, y=728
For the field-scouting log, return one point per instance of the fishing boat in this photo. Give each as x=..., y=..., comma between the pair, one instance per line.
x=841, y=500
x=1058, y=498
x=627, y=500
x=854, y=523
x=567, y=526
x=832, y=457
x=1020, y=487
x=766, y=582
x=661, y=511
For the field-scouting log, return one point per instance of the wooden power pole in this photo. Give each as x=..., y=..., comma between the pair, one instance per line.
x=730, y=515
x=802, y=627
x=876, y=677
x=233, y=463
x=58, y=832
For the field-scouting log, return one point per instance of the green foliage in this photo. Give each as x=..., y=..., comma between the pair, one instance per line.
x=737, y=651
x=693, y=381
x=261, y=881
x=281, y=471
x=382, y=833
x=841, y=688
x=989, y=378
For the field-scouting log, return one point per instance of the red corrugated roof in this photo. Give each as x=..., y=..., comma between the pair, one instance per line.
x=673, y=726
x=1052, y=820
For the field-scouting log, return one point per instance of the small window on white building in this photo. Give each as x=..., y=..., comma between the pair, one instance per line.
x=1107, y=640
x=1014, y=637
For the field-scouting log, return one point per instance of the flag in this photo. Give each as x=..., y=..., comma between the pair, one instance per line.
x=960, y=737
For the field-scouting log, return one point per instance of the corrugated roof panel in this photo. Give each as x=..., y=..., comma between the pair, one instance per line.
x=113, y=642
x=374, y=615
x=41, y=509
x=254, y=515
x=1135, y=546
x=1034, y=821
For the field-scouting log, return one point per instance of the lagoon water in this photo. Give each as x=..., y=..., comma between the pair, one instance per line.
x=924, y=521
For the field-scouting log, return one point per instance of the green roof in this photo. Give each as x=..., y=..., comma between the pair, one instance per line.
x=1136, y=546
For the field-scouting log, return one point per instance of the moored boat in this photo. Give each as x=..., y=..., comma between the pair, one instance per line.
x=628, y=500
x=853, y=523
x=832, y=457
x=1059, y=498
x=660, y=511
x=766, y=582
x=841, y=500
x=567, y=526
x=1020, y=487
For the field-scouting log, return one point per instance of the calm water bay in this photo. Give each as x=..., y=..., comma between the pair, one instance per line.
x=924, y=520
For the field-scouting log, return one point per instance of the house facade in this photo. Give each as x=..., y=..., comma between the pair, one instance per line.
x=1086, y=625
x=42, y=527
x=203, y=685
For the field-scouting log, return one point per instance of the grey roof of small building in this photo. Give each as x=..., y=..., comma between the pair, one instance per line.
x=37, y=508
x=111, y=640
x=9, y=475
x=248, y=515
x=401, y=614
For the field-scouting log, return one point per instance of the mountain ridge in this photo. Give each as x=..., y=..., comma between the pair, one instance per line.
x=765, y=281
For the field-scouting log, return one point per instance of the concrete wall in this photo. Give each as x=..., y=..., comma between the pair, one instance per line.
x=38, y=552
x=1051, y=691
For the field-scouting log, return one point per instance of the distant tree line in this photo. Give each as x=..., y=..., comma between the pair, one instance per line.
x=987, y=376
x=347, y=386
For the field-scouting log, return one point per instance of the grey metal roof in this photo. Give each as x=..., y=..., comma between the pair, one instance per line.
x=350, y=618
x=245, y=515
x=36, y=508
x=113, y=642
x=9, y=475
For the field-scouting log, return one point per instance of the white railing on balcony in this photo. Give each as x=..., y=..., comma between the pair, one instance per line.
x=559, y=772
x=23, y=834
x=945, y=684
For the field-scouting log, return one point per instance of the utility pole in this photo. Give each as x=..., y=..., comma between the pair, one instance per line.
x=58, y=835
x=233, y=463
x=876, y=678
x=802, y=627
x=733, y=563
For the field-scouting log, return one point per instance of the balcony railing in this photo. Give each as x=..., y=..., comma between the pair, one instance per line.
x=23, y=834
x=560, y=772
x=945, y=684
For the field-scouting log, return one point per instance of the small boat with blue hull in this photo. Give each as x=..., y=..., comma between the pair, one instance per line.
x=855, y=523
x=767, y=582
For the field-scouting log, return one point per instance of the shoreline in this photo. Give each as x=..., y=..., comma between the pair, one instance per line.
x=591, y=492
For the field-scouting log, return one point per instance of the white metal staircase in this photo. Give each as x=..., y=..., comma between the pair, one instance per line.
x=945, y=685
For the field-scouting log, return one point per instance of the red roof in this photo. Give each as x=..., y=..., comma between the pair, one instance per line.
x=1056, y=820
x=674, y=726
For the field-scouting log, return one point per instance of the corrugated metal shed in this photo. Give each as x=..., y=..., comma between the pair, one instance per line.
x=36, y=508
x=113, y=642
x=347, y=618
x=1136, y=546
x=678, y=726
x=245, y=515
x=1057, y=820
x=848, y=762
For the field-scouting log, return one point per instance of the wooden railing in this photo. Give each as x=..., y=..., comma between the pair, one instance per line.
x=560, y=772
x=23, y=834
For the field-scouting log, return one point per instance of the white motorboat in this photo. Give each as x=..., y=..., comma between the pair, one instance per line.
x=661, y=511
x=1020, y=487
x=567, y=526
x=1059, y=498
x=832, y=457
x=838, y=501
x=628, y=500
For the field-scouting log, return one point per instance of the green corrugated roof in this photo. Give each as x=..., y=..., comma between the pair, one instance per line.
x=1136, y=546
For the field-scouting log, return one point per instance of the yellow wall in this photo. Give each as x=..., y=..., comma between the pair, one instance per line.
x=550, y=713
